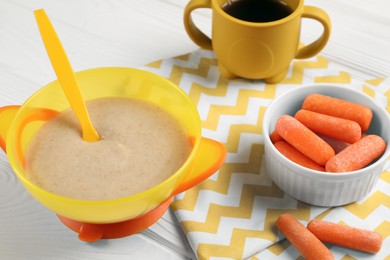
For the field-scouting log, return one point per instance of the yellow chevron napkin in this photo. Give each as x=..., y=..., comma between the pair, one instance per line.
x=231, y=215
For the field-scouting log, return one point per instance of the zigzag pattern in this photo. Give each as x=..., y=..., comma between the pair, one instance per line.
x=249, y=192
x=343, y=77
x=298, y=68
x=364, y=209
x=386, y=176
x=222, y=184
x=232, y=213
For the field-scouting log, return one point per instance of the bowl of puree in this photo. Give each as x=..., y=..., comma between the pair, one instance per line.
x=151, y=147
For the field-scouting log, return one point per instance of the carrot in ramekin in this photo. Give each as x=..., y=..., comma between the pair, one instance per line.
x=275, y=137
x=346, y=236
x=294, y=155
x=338, y=128
x=303, y=139
x=302, y=239
x=357, y=155
x=339, y=108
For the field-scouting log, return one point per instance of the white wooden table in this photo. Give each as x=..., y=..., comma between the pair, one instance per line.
x=130, y=33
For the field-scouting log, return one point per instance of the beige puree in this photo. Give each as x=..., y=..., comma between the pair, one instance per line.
x=141, y=145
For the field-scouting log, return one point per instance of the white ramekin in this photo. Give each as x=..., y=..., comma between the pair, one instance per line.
x=315, y=187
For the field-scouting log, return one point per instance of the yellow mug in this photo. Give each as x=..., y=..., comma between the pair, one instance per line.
x=256, y=50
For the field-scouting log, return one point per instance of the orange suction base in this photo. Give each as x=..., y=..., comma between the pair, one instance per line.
x=93, y=232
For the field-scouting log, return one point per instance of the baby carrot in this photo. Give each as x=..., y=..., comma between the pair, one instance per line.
x=339, y=108
x=302, y=239
x=346, y=236
x=338, y=128
x=294, y=155
x=357, y=155
x=275, y=137
x=303, y=139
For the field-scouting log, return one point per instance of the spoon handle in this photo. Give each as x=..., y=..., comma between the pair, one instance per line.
x=65, y=74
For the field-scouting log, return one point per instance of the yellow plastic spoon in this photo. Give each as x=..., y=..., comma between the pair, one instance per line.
x=65, y=75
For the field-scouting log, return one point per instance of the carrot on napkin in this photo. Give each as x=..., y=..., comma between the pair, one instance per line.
x=302, y=239
x=346, y=236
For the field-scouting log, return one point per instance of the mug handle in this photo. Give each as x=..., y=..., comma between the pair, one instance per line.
x=315, y=47
x=209, y=159
x=196, y=35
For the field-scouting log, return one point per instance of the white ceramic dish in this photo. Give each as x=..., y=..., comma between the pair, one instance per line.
x=315, y=187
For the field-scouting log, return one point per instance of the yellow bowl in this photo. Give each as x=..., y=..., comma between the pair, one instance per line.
x=19, y=124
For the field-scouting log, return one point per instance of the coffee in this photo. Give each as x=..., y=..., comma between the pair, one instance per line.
x=258, y=11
